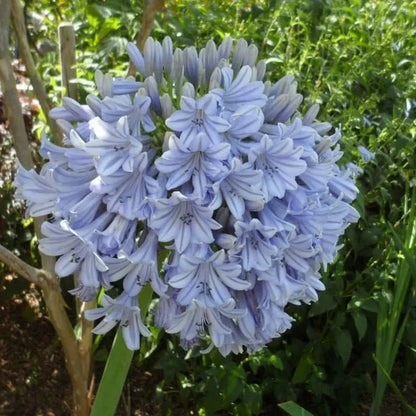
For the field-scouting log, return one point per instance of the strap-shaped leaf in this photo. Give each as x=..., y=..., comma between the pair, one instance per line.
x=117, y=367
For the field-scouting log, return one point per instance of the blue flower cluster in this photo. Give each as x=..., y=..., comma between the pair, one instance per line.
x=202, y=180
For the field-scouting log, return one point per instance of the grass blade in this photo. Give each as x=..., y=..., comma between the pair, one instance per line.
x=406, y=252
x=394, y=387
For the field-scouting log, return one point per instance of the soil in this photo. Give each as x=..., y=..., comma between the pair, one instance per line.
x=33, y=378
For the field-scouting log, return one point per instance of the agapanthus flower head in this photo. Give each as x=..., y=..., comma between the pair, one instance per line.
x=199, y=179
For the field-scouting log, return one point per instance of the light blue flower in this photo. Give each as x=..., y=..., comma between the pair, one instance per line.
x=114, y=146
x=39, y=191
x=196, y=116
x=253, y=244
x=302, y=136
x=72, y=111
x=137, y=268
x=180, y=218
x=365, y=154
x=341, y=183
x=197, y=317
x=108, y=86
x=280, y=163
x=72, y=187
x=242, y=183
x=77, y=250
x=283, y=100
x=275, y=214
x=241, y=90
x=113, y=108
x=200, y=161
x=126, y=192
x=112, y=238
x=207, y=279
x=124, y=311
x=244, y=123
x=190, y=57
x=84, y=211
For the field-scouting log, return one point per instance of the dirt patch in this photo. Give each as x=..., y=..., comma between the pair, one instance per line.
x=33, y=378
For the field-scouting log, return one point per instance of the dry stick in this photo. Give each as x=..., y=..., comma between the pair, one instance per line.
x=17, y=18
x=11, y=100
x=49, y=283
x=151, y=8
x=30, y=273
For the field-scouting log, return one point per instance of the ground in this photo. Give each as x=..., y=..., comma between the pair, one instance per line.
x=33, y=378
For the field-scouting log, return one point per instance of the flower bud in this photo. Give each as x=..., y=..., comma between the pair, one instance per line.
x=152, y=91
x=191, y=65
x=251, y=55
x=240, y=52
x=166, y=104
x=136, y=57
x=224, y=49
x=149, y=53
x=167, y=54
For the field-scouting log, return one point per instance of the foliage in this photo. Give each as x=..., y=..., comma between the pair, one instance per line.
x=356, y=60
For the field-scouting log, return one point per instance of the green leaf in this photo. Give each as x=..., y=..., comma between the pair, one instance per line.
x=343, y=345
x=303, y=369
x=369, y=304
x=112, y=382
x=233, y=383
x=360, y=322
x=325, y=303
x=276, y=362
x=171, y=364
x=145, y=297
x=252, y=397
x=101, y=355
x=294, y=409
x=109, y=25
x=117, y=367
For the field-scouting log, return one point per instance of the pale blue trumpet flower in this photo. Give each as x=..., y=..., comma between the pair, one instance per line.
x=201, y=179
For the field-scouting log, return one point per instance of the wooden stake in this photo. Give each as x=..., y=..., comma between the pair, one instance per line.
x=67, y=53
